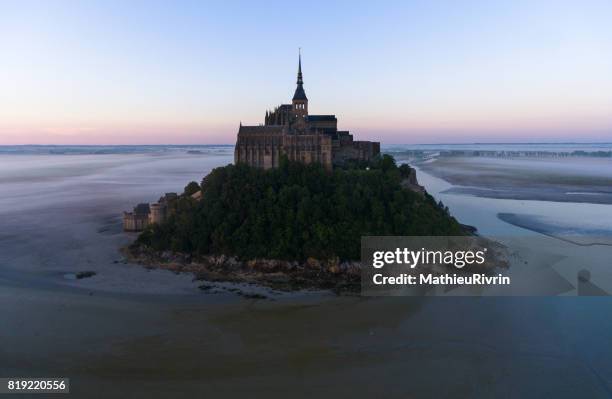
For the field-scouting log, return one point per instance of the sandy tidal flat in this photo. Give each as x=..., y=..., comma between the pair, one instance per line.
x=567, y=179
x=129, y=332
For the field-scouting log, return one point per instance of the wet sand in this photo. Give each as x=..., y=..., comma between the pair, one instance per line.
x=393, y=347
x=573, y=179
x=554, y=228
x=130, y=332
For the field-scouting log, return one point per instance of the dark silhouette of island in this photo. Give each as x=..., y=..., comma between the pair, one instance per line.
x=292, y=219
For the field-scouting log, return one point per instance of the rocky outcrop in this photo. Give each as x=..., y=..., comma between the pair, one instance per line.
x=411, y=183
x=333, y=274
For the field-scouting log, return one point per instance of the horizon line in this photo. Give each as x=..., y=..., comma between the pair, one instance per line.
x=229, y=144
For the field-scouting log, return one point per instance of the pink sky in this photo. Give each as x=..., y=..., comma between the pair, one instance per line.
x=409, y=72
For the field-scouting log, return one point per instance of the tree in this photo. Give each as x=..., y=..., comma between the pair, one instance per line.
x=191, y=188
x=298, y=211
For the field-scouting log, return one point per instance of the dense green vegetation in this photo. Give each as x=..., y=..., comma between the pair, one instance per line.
x=191, y=188
x=298, y=211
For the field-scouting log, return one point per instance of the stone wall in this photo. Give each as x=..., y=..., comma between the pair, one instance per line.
x=158, y=213
x=345, y=149
x=133, y=222
x=265, y=150
x=309, y=148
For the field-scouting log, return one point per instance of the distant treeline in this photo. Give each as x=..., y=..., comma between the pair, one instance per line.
x=112, y=149
x=502, y=153
x=298, y=211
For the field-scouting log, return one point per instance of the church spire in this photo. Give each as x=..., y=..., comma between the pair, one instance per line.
x=299, y=77
x=300, y=95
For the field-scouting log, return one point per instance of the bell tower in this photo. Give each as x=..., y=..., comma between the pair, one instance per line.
x=300, y=101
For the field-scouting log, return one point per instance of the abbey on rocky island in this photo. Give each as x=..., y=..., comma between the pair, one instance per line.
x=290, y=131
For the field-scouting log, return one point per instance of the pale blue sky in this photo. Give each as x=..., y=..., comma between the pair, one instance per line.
x=404, y=72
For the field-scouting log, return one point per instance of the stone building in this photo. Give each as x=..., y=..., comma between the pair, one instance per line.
x=157, y=213
x=137, y=220
x=289, y=130
x=146, y=214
